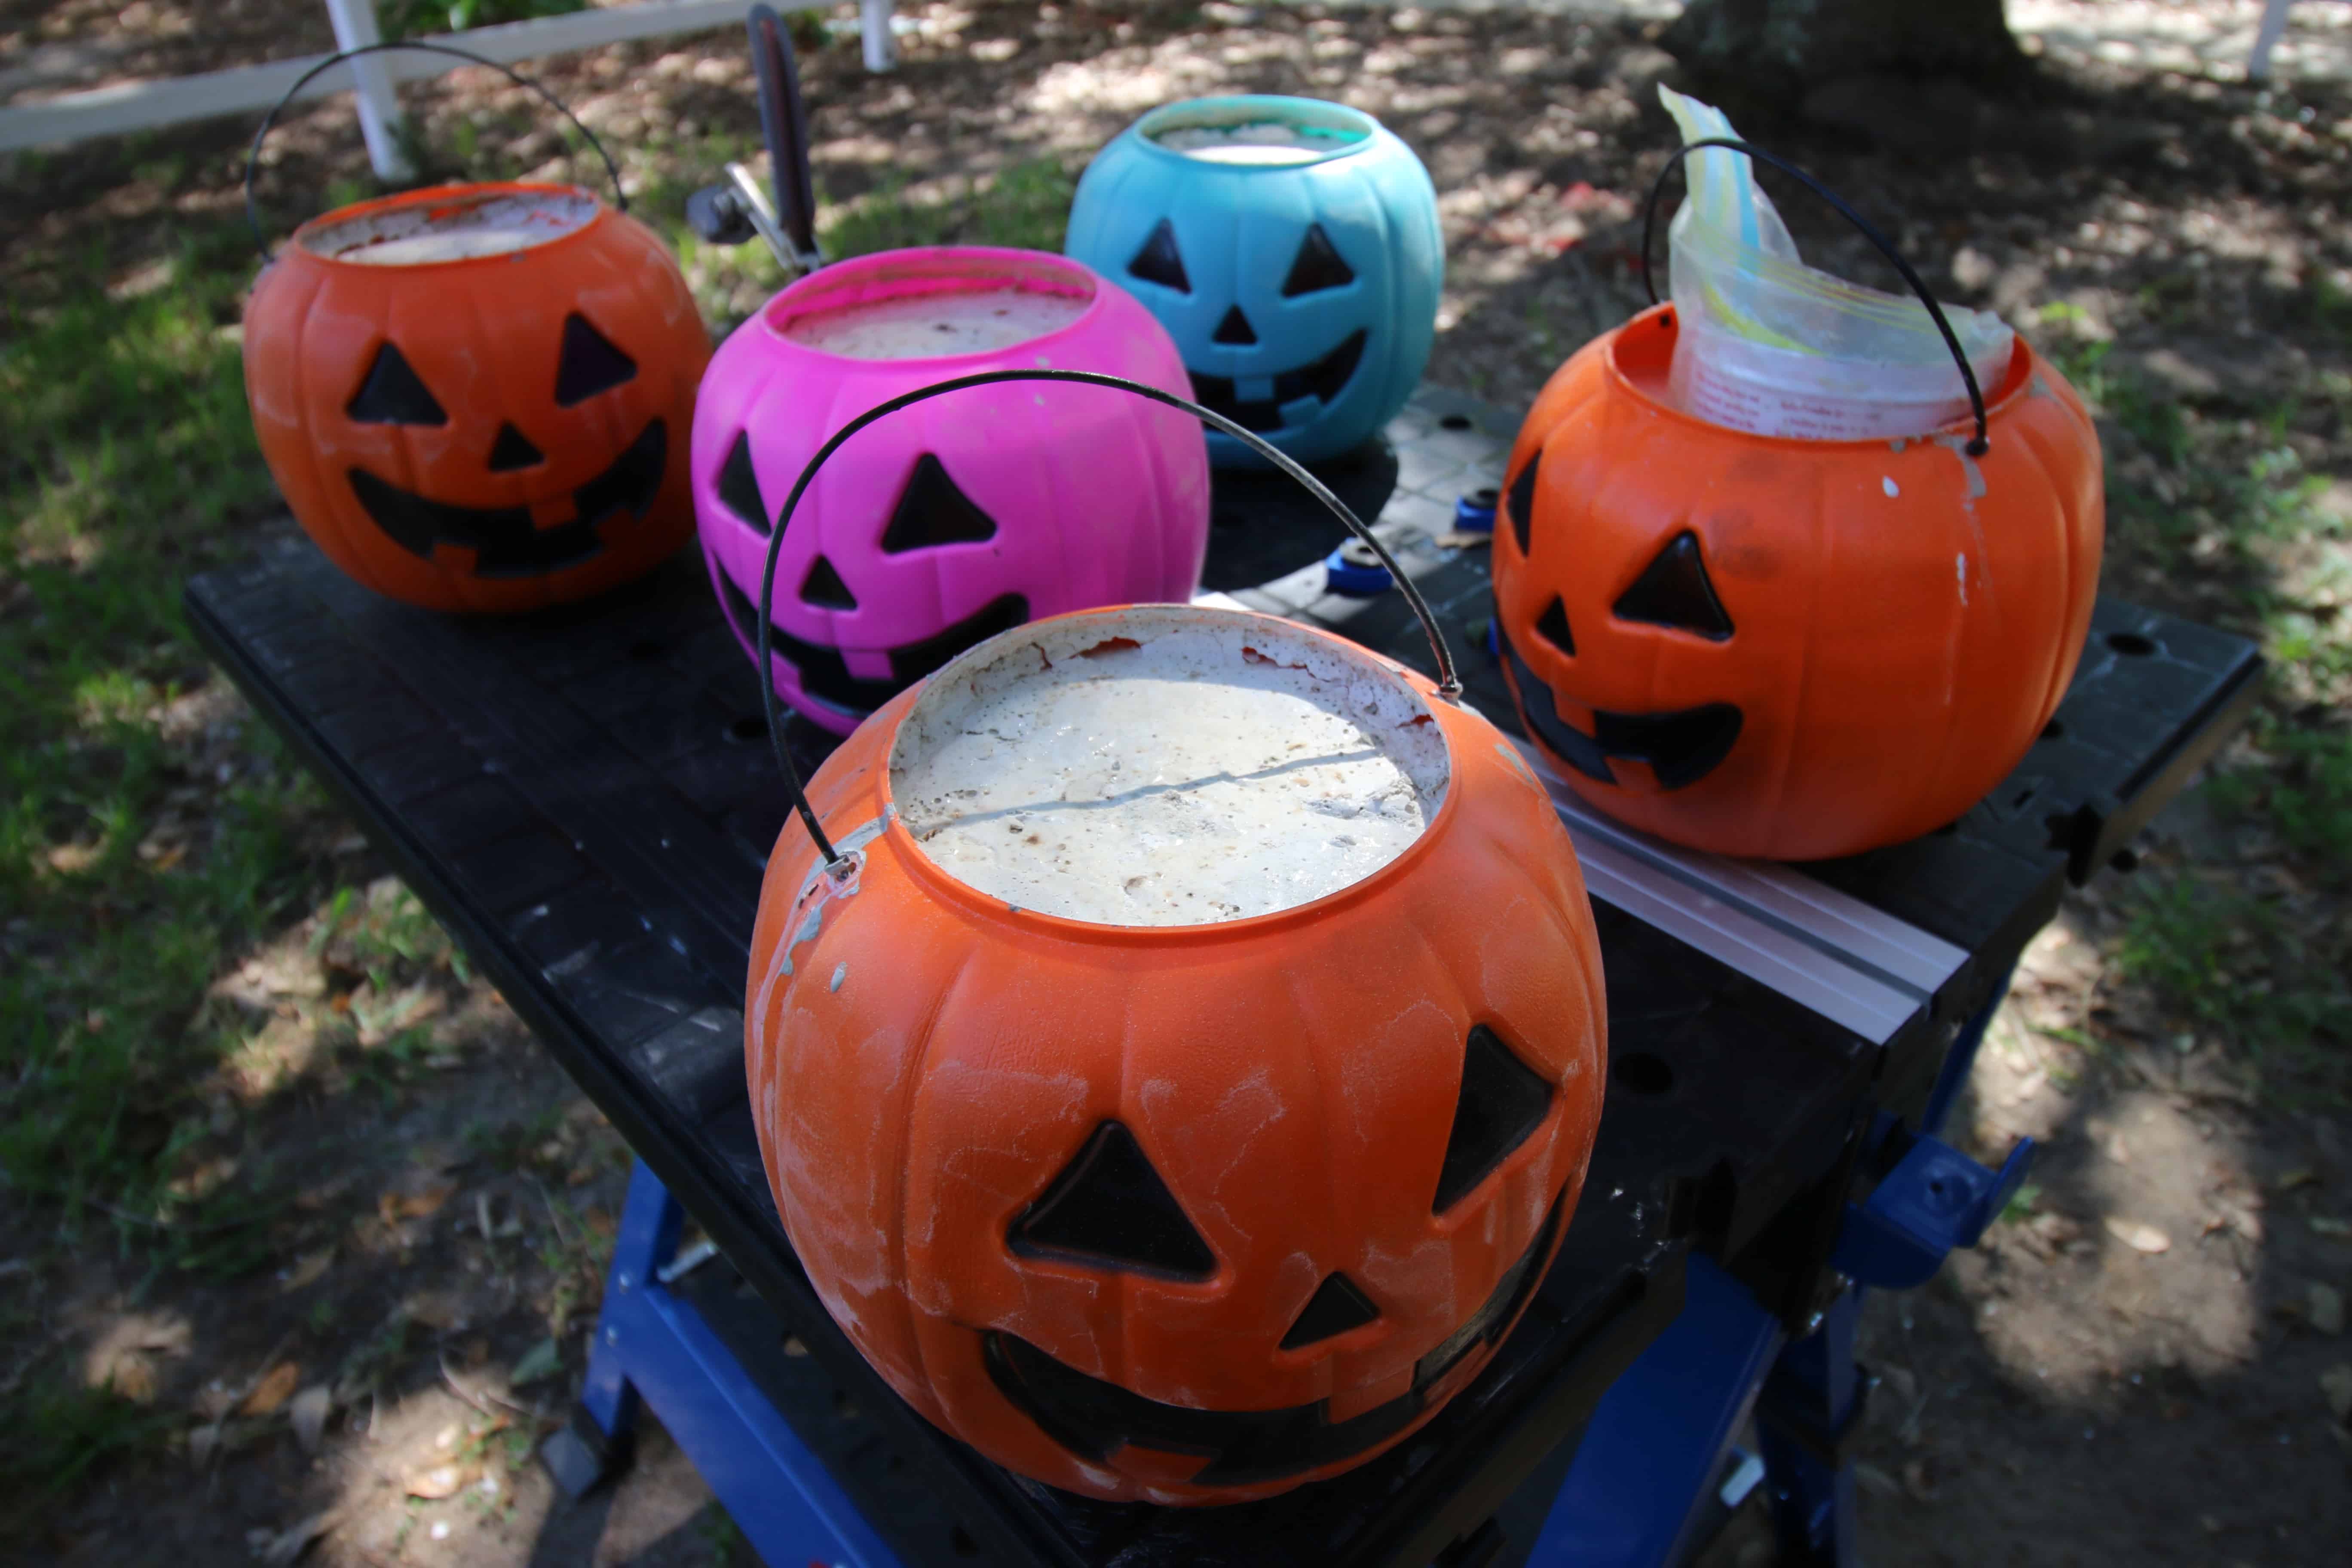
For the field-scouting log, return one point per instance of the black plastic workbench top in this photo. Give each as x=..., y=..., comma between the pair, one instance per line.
x=585, y=797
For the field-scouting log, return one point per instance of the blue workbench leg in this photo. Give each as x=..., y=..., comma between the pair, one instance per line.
x=1934, y=1200
x=653, y=1344
x=1657, y=1439
x=1810, y=1404
x=597, y=1441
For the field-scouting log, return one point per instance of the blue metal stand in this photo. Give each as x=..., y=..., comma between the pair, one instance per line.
x=651, y=1344
x=1638, y=1493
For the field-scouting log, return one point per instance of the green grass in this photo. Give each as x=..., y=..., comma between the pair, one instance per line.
x=58, y=1432
x=123, y=880
x=2304, y=795
x=415, y=18
x=2230, y=963
x=1026, y=206
x=2223, y=507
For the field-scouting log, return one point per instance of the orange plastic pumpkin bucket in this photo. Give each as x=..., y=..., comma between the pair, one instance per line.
x=477, y=397
x=1185, y=1204
x=1784, y=648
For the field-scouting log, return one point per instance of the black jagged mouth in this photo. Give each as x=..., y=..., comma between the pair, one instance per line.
x=503, y=539
x=1095, y=1420
x=824, y=674
x=1324, y=381
x=1681, y=746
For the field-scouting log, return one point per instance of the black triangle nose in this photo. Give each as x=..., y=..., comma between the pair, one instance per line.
x=1233, y=329
x=513, y=450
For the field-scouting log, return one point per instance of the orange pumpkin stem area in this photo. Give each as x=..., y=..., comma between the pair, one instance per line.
x=1790, y=648
x=478, y=397
x=1196, y=1210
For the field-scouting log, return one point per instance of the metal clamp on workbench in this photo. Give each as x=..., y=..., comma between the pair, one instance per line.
x=1933, y=1199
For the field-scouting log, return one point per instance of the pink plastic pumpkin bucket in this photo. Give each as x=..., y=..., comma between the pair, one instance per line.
x=962, y=517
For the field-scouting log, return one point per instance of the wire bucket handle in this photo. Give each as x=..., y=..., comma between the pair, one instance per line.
x=1449, y=680
x=269, y=120
x=1979, y=447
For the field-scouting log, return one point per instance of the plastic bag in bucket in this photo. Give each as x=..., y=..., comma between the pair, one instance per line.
x=1771, y=345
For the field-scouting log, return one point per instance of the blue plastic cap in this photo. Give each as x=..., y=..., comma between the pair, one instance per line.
x=1473, y=511
x=1354, y=570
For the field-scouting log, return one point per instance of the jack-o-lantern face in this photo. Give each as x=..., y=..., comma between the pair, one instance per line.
x=955, y=518
x=1188, y=1213
x=478, y=400
x=1291, y=248
x=1784, y=648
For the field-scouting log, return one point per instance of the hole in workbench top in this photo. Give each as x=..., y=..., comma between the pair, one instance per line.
x=1455, y=422
x=2055, y=730
x=2131, y=644
x=1643, y=1072
x=750, y=727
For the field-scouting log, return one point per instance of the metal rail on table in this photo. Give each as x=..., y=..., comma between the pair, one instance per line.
x=584, y=799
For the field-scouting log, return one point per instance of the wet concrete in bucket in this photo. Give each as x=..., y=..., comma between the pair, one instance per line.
x=1166, y=767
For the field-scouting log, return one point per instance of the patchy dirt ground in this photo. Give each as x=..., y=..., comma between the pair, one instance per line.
x=2140, y=1363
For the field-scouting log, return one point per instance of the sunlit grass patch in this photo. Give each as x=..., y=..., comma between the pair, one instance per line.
x=1026, y=205
x=2231, y=965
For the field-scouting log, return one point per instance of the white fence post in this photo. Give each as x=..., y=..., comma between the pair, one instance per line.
x=145, y=105
x=2266, y=38
x=355, y=28
x=874, y=24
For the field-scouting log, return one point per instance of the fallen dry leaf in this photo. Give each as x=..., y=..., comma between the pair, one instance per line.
x=306, y=1271
x=440, y=1481
x=277, y=1547
x=1875, y=1479
x=72, y=858
x=308, y=1413
x=2335, y=1383
x=273, y=1390
x=2138, y=1236
x=202, y=1442
x=413, y=1200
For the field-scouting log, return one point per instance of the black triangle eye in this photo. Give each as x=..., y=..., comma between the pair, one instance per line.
x=1552, y=627
x=1674, y=591
x=590, y=364
x=513, y=450
x=1233, y=329
x=1520, y=501
x=1317, y=266
x=1336, y=1307
x=1502, y=1101
x=392, y=395
x=739, y=486
x=933, y=510
x=1158, y=262
x=823, y=586
x=1109, y=1207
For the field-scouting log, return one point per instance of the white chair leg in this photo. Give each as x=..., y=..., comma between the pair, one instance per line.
x=355, y=28
x=881, y=44
x=2266, y=37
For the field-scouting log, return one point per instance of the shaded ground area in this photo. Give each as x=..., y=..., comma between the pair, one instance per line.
x=301, y=1232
